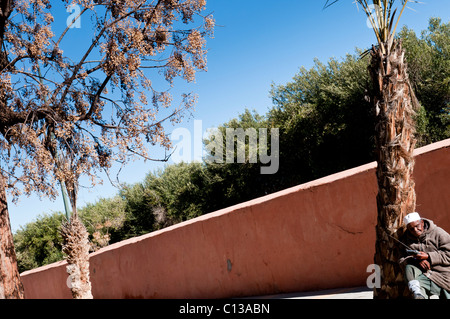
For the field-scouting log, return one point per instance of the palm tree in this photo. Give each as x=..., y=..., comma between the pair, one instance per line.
x=76, y=247
x=75, y=241
x=394, y=105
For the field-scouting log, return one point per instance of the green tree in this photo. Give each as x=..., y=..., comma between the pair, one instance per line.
x=104, y=221
x=182, y=189
x=240, y=180
x=429, y=69
x=39, y=242
x=325, y=126
x=140, y=205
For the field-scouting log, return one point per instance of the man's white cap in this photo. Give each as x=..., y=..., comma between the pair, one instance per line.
x=412, y=217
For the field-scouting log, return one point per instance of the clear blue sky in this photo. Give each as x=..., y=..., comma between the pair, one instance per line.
x=256, y=43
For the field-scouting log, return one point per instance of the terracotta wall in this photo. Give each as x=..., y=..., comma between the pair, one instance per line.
x=317, y=235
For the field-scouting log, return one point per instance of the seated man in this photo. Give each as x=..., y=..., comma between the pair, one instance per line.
x=428, y=271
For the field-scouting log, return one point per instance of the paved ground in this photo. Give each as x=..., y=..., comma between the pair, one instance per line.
x=340, y=293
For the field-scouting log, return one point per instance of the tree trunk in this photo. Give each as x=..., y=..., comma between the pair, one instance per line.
x=10, y=284
x=395, y=105
x=76, y=246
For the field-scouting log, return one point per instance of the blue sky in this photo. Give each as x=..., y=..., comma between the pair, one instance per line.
x=256, y=43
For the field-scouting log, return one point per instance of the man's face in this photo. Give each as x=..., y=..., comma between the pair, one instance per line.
x=416, y=228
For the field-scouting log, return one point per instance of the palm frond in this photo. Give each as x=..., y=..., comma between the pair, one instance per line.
x=327, y=4
x=366, y=52
x=382, y=17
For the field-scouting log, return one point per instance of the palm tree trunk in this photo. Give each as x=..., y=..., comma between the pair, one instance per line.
x=10, y=284
x=76, y=247
x=395, y=105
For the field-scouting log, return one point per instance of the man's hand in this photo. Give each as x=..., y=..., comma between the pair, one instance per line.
x=424, y=263
x=421, y=256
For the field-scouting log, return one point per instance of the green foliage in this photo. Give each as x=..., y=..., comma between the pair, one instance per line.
x=104, y=221
x=39, y=243
x=177, y=193
x=139, y=206
x=179, y=189
x=237, y=182
x=324, y=118
x=429, y=69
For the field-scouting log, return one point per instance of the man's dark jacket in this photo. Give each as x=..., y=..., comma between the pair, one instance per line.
x=436, y=243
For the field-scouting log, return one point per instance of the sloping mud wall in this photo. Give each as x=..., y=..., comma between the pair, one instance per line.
x=318, y=235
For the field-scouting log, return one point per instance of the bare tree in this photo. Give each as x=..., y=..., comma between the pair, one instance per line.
x=64, y=115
